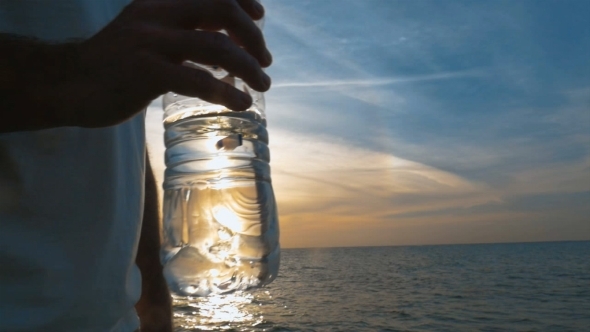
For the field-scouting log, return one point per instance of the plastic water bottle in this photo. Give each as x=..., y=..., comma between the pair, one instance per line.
x=220, y=227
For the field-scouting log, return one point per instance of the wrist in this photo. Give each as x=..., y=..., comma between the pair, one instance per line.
x=69, y=86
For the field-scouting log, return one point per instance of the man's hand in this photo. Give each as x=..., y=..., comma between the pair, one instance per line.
x=112, y=76
x=139, y=55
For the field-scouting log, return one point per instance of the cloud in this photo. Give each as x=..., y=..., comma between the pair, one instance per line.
x=332, y=192
x=323, y=183
x=379, y=81
x=432, y=122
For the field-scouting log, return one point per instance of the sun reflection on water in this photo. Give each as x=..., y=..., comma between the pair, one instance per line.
x=236, y=311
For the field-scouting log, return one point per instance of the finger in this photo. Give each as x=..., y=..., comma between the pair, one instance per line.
x=253, y=8
x=201, y=84
x=244, y=31
x=214, y=15
x=216, y=49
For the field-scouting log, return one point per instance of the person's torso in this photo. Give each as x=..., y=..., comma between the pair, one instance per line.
x=71, y=201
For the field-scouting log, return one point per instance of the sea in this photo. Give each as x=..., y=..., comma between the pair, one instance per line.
x=478, y=287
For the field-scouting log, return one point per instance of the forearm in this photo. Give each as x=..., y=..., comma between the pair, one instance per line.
x=44, y=85
x=39, y=83
x=154, y=307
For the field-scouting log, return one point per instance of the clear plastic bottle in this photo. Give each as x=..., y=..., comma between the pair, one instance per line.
x=220, y=228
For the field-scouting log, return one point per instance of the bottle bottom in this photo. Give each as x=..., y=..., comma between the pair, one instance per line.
x=218, y=239
x=189, y=273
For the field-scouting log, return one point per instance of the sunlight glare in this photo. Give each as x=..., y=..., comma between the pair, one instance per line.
x=227, y=218
x=221, y=311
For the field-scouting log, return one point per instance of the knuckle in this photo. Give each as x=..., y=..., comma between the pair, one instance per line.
x=224, y=91
x=220, y=42
x=202, y=83
x=146, y=10
x=229, y=7
x=137, y=36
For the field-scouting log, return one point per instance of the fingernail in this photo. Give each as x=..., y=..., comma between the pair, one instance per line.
x=267, y=57
x=266, y=81
x=258, y=8
x=245, y=100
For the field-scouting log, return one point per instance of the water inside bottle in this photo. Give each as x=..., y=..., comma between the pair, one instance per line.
x=220, y=225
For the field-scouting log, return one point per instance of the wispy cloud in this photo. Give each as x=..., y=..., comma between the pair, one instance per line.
x=432, y=122
x=330, y=180
x=381, y=81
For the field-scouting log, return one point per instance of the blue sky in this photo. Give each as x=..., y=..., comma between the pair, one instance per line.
x=423, y=122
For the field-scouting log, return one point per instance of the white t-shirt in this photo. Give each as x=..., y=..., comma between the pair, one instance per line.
x=71, y=201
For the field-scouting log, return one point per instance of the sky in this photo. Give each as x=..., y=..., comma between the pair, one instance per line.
x=426, y=122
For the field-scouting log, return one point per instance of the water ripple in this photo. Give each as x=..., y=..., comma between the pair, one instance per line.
x=496, y=287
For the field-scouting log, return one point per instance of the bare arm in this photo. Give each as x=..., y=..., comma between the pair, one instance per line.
x=154, y=307
x=112, y=76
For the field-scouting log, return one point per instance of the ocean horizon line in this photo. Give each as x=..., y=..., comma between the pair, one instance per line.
x=438, y=244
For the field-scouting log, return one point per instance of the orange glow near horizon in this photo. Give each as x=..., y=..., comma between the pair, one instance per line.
x=331, y=194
